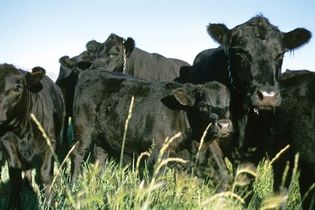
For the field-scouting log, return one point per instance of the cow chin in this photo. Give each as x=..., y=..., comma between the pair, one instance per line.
x=265, y=108
x=263, y=105
x=222, y=133
x=213, y=135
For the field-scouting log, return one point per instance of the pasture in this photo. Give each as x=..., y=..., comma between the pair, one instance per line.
x=120, y=187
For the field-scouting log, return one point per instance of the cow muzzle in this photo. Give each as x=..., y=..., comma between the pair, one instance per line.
x=266, y=99
x=223, y=128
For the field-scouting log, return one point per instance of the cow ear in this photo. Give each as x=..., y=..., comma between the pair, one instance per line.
x=67, y=63
x=66, y=68
x=184, y=96
x=129, y=45
x=296, y=38
x=63, y=60
x=171, y=103
x=180, y=100
x=220, y=33
x=33, y=79
x=92, y=46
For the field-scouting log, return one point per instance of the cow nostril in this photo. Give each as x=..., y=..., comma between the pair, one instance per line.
x=277, y=96
x=260, y=95
x=265, y=95
x=226, y=125
x=220, y=125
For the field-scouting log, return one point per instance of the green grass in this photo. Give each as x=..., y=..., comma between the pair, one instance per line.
x=118, y=186
x=121, y=188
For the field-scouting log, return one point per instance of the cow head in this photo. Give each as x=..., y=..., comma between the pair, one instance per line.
x=255, y=51
x=85, y=59
x=205, y=104
x=113, y=53
x=70, y=69
x=14, y=86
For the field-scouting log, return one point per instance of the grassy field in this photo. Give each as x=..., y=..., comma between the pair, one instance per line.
x=120, y=187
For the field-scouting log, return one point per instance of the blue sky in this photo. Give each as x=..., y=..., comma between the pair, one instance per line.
x=39, y=32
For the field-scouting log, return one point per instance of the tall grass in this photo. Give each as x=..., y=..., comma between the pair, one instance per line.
x=120, y=187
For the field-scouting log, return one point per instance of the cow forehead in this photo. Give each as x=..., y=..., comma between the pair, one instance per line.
x=7, y=74
x=257, y=35
x=256, y=47
x=6, y=69
x=110, y=44
x=113, y=40
x=216, y=95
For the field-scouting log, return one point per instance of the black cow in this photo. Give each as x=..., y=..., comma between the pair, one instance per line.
x=293, y=123
x=249, y=63
x=22, y=94
x=119, y=55
x=111, y=55
x=149, y=66
x=101, y=106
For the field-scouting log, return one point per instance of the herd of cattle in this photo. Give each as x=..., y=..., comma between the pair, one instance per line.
x=235, y=92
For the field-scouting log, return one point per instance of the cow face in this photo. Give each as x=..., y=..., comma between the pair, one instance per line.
x=85, y=59
x=255, y=52
x=206, y=104
x=113, y=53
x=13, y=86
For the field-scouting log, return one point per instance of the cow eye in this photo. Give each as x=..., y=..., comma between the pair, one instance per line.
x=18, y=85
x=17, y=88
x=243, y=54
x=112, y=55
x=204, y=107
x=214, y=117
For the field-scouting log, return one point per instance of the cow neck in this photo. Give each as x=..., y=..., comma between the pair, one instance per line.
x=133, y=67
x=184, y=125
x=237, y=98
x=194, y=124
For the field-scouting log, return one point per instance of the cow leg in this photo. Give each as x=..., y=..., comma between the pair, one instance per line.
x=1, y=163
x=307, y=178
x=84, y=139
x=67, y=136
x=154, y=161
x=241, y=126
x=46, y=174
x=100, y=154
x=28, y=178
x=15, y=173
x=218, y=157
